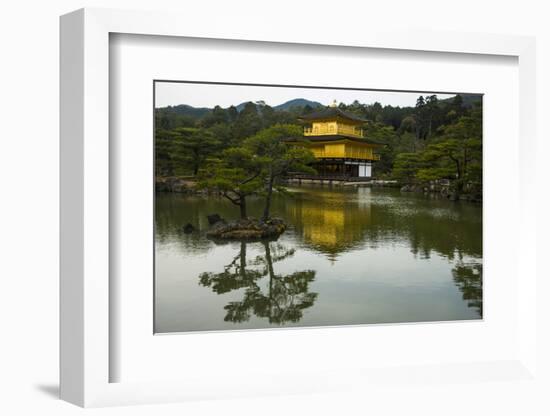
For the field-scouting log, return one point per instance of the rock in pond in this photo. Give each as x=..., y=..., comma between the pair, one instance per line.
x=247, y=229
x=214, y=218
x=188, y=228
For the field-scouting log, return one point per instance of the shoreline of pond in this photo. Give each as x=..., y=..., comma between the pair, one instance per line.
x=188, y=186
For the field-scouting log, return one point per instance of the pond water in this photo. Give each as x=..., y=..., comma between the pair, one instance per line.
x=352, y=255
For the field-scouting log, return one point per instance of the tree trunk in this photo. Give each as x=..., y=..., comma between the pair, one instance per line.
x=269, y=260
x=465, y=163
x=243, y=260
x=242, y=206
x=460, y=179
x=196, y=163
x=271, y=273
x=267, y=207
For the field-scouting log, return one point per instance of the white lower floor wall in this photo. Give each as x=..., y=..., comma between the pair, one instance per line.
x=350, y=168
x=365, y=170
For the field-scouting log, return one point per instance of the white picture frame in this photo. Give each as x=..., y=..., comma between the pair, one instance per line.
x=85, y=220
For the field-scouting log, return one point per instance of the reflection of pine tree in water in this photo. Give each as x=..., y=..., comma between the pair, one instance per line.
x=234, y=276
x=286, y=298
x=468, y=278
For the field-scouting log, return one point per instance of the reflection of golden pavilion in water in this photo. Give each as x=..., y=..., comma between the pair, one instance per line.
x=338, y=143
x=329, y=222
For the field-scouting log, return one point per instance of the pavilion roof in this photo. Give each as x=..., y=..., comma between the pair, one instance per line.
x=332, y=138
x=332, y=112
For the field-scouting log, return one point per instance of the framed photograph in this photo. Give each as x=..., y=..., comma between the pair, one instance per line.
x=309, y=200
x=280, y=206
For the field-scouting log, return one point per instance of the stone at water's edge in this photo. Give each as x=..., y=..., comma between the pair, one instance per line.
x=188, y=228
x=249, y=229
x=214, y=218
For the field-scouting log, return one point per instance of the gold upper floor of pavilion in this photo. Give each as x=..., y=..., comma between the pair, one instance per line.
x=332, y=128
x=333, y=121
x=332, y=133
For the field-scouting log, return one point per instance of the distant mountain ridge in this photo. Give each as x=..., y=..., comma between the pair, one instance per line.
x=186, y=110
x=296, y=102
x=468, y=100
x=199, y=112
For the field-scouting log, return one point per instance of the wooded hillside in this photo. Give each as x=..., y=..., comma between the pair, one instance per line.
x=435, y=139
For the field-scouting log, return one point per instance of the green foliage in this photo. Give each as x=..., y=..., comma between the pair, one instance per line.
x=194, y=146
x=255, y=167
x=406, y=166
x=277, y=157
x=248, y=122
x=238, y=170
x=434, y=173
x=457, y=155
x=236, y=175
x=387, y=135
x=435, y=139
x=454, y=152
x=165, y=153
x=183, y=150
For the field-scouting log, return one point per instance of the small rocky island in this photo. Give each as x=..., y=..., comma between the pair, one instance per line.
x=245, y=229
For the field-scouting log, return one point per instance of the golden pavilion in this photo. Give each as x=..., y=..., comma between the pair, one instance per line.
x=339, y=144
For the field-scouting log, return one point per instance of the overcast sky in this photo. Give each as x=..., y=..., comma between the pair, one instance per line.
x=210, y=95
